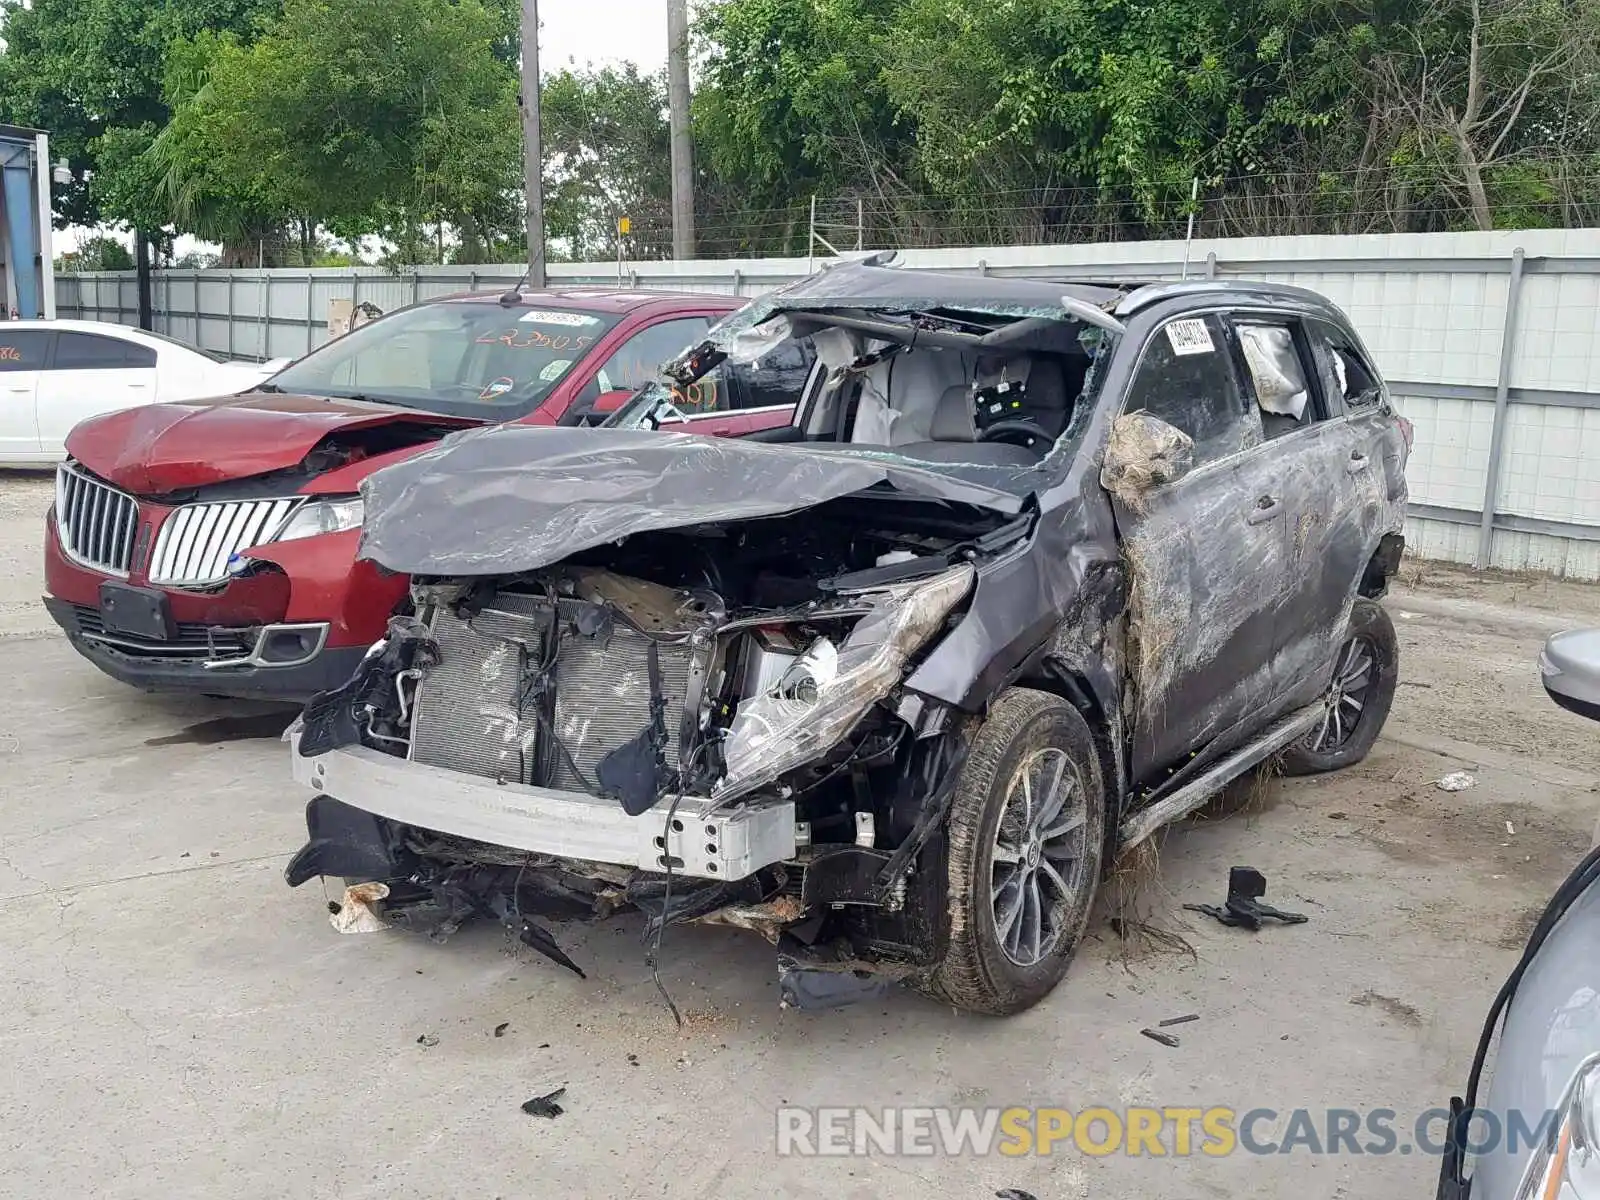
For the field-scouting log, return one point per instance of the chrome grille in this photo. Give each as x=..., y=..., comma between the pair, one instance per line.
x=97, y=522
x=197, y=540
x=466, y=717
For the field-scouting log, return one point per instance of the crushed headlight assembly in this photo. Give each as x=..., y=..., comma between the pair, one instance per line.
x=326, y=515
x=1565, y=1164
x=831, y=690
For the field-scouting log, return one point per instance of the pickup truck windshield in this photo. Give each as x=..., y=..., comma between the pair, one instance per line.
x=462, y=359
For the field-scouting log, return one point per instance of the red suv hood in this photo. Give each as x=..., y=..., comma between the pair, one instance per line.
x=158, y=448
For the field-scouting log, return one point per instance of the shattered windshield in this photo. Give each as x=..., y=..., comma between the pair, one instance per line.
x=988, y=393
x=462, y=359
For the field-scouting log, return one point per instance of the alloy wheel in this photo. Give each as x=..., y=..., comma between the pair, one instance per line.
x=1346, y=697
x=1038, y=857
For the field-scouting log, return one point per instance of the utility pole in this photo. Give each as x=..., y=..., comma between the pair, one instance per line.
x=141, y=262
x=532, y=157
x=678, y=123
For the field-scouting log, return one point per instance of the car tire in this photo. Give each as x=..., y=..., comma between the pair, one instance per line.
x=1366, y=673
x=1021, y=880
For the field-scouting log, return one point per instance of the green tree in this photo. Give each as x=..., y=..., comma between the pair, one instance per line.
x=361, y=116
x=92, y=72
x=95, y=254
x=793, y=102
x=606, y=156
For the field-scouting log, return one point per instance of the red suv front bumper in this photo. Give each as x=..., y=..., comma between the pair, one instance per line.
x=297, y=624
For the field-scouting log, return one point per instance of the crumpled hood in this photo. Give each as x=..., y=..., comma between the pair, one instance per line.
x=512, y=499
x=159, y=448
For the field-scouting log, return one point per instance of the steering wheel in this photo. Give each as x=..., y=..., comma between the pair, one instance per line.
x=1017, y=431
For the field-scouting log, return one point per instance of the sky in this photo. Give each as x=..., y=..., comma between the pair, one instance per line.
x=602, y=32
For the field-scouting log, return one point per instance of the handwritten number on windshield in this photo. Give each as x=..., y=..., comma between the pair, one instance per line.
x=532, y=339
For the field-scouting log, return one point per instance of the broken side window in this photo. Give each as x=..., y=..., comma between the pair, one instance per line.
x=1186, y=378
x=1344, y=370
x=775, y=378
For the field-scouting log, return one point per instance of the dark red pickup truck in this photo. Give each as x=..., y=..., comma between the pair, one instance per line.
x=211, y=546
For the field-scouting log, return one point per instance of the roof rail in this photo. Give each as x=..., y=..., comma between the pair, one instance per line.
x=1150, y=293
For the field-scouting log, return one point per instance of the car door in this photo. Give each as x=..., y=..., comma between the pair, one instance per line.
x=1335, y=502
x=1206, y=554
x=23, y=355
x=89, y=374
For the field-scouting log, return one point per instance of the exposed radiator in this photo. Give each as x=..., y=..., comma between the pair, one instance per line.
x=603, y=699
x=468, y=717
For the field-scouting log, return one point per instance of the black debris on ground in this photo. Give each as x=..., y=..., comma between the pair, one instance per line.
x=1155, y=1035
x=1244, y=907
x=545, y=1106
x=500, y=1029
x=428, y=1039
x=1015, y=1194
x=1183, y=1020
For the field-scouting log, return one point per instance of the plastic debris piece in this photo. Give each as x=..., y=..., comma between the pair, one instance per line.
x=537, y=937
x=428, y=1039
x=1456, y=781
x=1155, y=1035
x=546, y=1106
x=1510, y=828
x=1014, y=1194
x=359, y=911
x=500, y=1029
x=1183, y=1020
x=1244, y=907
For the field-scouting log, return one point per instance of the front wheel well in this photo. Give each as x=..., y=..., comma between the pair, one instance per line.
x=1054, y=676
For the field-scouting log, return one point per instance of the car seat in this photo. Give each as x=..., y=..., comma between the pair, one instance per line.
x=953, y=436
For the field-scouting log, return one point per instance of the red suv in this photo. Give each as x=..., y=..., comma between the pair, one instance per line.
x=210, y=546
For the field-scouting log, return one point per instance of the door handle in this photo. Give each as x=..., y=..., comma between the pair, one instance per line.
x=1267, y=507
x=1357, y=464
x=138, y=385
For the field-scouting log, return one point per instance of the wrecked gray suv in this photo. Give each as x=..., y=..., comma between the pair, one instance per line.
x=1036, y=569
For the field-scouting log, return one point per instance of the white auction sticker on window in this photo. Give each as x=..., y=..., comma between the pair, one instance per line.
x=545, y=316
x=1190, y=337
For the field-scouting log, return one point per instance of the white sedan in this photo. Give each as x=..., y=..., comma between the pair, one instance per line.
x=54, y=374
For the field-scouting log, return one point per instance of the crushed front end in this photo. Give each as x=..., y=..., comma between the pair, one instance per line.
x=703, y=724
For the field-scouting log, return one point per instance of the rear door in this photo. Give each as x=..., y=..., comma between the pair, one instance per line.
x=89, y=374
x=1206, y=553
x=23, y=355
x=1336, y=502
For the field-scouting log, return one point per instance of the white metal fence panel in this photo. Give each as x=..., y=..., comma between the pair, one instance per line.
x=1507, y=420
